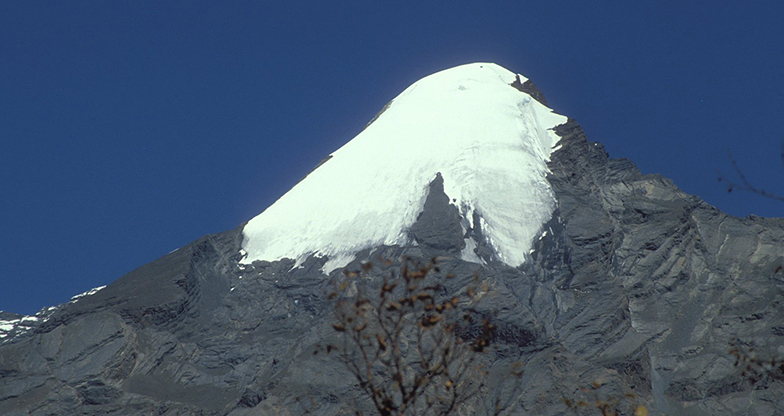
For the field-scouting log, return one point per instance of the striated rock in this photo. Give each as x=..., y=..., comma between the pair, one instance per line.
x=632, y=286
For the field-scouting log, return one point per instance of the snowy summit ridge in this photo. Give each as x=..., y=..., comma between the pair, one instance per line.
x=488, y=140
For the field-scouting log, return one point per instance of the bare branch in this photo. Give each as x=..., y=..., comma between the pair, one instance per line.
x=744, y=184
x=399, y=342
x=756, y=367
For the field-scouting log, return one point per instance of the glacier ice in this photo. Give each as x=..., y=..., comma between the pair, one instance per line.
x=489, y=141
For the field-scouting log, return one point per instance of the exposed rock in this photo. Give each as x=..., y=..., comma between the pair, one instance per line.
x=632, y=284
x=529, y=88
x=438, y=226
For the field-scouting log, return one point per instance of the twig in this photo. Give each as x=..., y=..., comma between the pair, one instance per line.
x=745, y=184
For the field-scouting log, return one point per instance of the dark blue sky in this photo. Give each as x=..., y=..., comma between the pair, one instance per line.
x=128, y=130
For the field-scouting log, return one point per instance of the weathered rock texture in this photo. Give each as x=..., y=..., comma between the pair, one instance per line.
x=633, y=285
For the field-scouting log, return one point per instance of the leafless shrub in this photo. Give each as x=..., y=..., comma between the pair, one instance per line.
x=607, y=406
x=404, y=340
x=756, y=367
x=743, y=184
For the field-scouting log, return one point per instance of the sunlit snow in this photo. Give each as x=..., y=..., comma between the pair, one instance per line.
x=87, y=293
x=26, y=323
x=489, y=141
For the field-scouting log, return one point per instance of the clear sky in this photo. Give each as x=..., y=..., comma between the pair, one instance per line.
x=130, y=128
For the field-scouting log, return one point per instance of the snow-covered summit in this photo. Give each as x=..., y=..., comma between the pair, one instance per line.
x=489, y=141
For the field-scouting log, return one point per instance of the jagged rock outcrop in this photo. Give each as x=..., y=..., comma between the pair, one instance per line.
x=632, y=285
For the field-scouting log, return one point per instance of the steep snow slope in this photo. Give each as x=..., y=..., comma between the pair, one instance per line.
x=489, y=141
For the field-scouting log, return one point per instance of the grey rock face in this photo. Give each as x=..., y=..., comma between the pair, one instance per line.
x=670, y=280
x=529, y=88
x=438, y=226
x=633, y=286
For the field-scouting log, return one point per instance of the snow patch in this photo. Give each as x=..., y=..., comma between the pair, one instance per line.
x=17, y=327
x=468, y=253
x=87, y=293
x=12, y=328
x=489, y=141
x=337, y=261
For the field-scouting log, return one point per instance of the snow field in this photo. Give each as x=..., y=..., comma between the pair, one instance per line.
x=489, y=141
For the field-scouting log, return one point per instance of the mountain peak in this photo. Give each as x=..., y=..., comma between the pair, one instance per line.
x=488, y=139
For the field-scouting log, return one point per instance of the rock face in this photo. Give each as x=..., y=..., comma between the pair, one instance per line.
x=633, y=287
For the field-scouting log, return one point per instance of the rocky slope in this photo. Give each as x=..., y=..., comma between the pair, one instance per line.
x=632, y=286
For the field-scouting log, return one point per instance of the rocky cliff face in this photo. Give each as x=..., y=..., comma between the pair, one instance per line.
x=632, y=287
